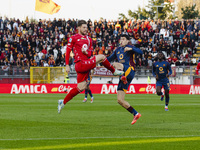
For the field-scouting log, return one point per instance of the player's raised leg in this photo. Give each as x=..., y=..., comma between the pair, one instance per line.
x=102, y=59
x=120, y=66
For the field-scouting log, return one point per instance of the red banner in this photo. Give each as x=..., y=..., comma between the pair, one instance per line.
x=96, y=88
x=102, y=71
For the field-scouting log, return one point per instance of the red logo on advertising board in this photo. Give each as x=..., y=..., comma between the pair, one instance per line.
x=61, y=88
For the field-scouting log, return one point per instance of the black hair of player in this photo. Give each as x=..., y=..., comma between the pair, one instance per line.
x=126, y=36
x=81, y=22
x=164, y=58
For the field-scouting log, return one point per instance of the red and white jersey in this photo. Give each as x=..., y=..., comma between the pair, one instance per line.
x=77, y=42
x=198, y=69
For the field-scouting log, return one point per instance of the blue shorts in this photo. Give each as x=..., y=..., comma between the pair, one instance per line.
x=129, y=73
x=164, y=83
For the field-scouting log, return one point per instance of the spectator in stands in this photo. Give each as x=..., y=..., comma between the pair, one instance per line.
x=50, y=37
x=166, y=35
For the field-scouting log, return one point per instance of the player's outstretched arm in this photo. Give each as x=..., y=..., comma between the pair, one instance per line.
x=68, y=50
x=198, y=68
x=135, y=49
x=170, y=69
x=154, y=71
x=127, y=49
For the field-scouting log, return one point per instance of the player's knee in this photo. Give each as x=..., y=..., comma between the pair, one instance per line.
x=82, y=86
x=102, y=57
x=167, y=95
x=159, y=93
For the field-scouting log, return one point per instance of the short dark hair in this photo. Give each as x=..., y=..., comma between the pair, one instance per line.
x=126, y=36
x=80, y=22
x=162, y=54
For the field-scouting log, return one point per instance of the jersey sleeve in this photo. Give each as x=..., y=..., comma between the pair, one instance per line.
x=69, y=49
x=90, y=48
x=135, y=49
x=169, y=68
x=154, y=70
x=197, y=69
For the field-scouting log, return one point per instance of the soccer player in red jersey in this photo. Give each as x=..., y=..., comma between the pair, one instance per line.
x=82, y=48
x=198, y=68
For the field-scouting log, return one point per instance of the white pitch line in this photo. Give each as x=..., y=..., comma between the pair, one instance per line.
x=116, y=137
x=185, y=104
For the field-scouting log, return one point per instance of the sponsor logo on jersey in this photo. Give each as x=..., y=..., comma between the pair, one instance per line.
x=161, y=68
x=121, y=56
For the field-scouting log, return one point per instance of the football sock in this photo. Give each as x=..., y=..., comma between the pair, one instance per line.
x=73, y=92
x=166, y=101
x=132, y=110
x=89, y=91
x=86, y=92
x=107, y=64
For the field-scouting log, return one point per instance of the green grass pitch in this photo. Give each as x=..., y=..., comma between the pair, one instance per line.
x=31, y=122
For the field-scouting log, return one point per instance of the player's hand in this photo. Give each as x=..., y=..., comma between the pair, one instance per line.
x=167, y=75
x=84, y=51
x=67, y=69
x=156, y=78
x=127, y=49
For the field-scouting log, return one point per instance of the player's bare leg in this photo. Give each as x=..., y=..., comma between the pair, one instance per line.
x=82, y=85
x=121, y=101
x=120, y=66
x=126, y=105
x=73, y=92
x=102, y=59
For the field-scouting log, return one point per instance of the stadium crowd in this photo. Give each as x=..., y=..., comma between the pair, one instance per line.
x=43, y=42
